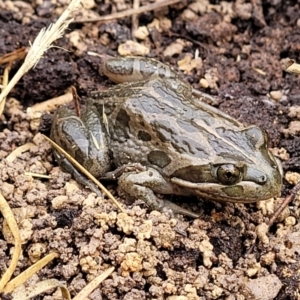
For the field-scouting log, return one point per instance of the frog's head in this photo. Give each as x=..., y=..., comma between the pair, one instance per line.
x=243, y=169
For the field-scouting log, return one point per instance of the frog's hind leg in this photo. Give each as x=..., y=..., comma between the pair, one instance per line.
x=84, y=139
x=132, y=69
x=143, y=185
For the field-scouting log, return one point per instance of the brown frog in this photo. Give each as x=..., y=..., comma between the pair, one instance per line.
x=188, y=147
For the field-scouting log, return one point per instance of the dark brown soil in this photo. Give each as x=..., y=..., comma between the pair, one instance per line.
x=241, y=45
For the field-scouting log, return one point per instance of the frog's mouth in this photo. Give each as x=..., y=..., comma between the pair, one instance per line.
x=243, y=191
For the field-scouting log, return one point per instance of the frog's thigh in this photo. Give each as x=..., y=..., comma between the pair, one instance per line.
x=143, y=185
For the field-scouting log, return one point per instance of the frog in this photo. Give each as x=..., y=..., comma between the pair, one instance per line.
x=151, y=118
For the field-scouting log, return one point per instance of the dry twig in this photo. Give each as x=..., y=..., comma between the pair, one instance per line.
x=13, y=226
x=134, y=18
x=20, y=279
x=284, y=204
x=4, y=84
x=130, y=12
x=11, y=57
x=83, y=294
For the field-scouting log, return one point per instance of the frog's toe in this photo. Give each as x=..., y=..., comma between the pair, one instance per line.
x=178, y=210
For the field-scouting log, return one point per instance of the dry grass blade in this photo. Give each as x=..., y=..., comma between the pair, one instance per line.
x=18, y=151
x=291, y=66
x=13, y=226
x=40, y=288
x=41, y=44
x=37, y=109
x=260, y=71
x=4, y=84
x=13, y=56
x=130, y=12
x=79, y=167
x=83, y=294
x=37, y=175
x=20, y=279
x=134, y=18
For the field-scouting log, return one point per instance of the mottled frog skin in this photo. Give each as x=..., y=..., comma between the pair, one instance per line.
x=188, y=147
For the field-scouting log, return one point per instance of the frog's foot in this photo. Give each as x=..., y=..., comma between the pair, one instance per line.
x=133, y=167
x=178, y=209
x=145, y=184
x=79, y=177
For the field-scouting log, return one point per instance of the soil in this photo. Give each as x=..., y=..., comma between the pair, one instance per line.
x=232, y=50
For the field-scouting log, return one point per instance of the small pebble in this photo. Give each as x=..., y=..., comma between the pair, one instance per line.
x=132, y=48
x=204, y=83
x=276, y=95
x=141, y=33
x=263, y=288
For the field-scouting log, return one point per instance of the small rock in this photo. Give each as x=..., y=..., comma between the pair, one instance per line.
x=165, y=23
x=212, y=77
x=154, y=24
x=204, y=83
x=267, y=259
x=244, y=10
x=294, y=112
x=125, y=223
x=199, y=7
x=132, y=48
x=71, y=187
x=263, y=288
x=131, y=263
x=60, y=202
x=188, y=15
x=216, y=292
x=174, y=48
x=206, y=248
x=276, y=95
x=7, y=190
x=141, y=33
x=294, y=128
x=290, y=221
x=293, y=240
x=261, y=231
x=88, y=4
x=35, y=251
x=187, y=64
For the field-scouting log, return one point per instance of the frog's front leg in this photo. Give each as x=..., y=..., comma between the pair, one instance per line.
x=145, y=184
x=85, y=140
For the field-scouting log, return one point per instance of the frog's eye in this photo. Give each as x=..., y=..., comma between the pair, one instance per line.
x=228, y=174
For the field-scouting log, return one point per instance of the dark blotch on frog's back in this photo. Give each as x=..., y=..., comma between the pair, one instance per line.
x=168, y=114
x=144, y=136
x=167, y=133
x=159, y=158
x=114, y=66
x=121, y=127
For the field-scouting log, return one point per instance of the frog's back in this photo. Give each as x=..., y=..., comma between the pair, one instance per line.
x=158, y=121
